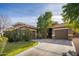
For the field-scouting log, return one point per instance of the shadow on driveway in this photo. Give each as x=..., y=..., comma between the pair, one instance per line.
x=55, y=41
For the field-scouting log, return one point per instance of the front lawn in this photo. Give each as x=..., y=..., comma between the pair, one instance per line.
x=15, y=48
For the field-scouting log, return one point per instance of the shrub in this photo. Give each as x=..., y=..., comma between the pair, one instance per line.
x=28, y=35
x=39, y=35
x=11, y=35
x=8, y=34
x=3, y=42
x=18, y=35
x=25, y=35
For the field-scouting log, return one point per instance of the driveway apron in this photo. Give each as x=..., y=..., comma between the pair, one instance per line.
x=49, y=47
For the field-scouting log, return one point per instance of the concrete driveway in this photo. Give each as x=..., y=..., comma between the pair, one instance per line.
x=49, y=47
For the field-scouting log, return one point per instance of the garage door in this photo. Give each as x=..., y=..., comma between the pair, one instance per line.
x=61, y=34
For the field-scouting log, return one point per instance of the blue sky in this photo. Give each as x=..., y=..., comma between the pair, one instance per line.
x=29, y=12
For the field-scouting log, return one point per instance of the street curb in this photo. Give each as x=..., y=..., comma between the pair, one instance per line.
x=25, y=52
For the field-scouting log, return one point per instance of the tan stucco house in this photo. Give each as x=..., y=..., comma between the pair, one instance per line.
x=61, y=31
x=58, y=31
x=20, y=25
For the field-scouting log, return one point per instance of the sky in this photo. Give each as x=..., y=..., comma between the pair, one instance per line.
x=29, y=12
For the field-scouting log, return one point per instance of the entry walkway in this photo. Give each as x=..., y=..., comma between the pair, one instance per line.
x=49, y=47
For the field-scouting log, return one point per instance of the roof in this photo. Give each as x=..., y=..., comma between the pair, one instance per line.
x=20, y=24
x=62, y=25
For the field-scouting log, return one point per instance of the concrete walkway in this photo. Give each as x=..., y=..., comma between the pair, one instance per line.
x=49, y=47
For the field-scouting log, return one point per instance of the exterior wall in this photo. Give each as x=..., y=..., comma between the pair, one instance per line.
x=70, y=34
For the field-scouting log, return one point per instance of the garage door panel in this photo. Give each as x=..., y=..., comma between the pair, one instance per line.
x=61, y=34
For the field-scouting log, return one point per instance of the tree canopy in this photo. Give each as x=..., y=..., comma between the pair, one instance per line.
x=71, y=14
x=44, y=22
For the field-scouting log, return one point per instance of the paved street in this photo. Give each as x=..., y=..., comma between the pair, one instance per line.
x=48, y=47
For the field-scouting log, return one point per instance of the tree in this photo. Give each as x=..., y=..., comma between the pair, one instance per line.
x=71, y=15
x=39, y=27
x=55, y=23
x=44, y=22
x=4, y=23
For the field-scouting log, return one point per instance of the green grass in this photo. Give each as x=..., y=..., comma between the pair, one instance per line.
x=15, y=48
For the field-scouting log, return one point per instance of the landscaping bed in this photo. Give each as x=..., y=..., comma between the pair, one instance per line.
x=15, y=48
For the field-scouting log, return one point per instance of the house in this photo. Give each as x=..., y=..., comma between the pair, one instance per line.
x=20, y=25
x=60, y=31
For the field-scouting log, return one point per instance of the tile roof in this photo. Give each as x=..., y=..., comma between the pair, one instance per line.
x=59, y=25
x=19, y=24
